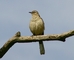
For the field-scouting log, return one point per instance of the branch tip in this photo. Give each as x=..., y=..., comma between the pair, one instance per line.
x=18, y=34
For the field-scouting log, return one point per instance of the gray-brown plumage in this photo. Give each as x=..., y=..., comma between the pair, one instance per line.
x=37, y=28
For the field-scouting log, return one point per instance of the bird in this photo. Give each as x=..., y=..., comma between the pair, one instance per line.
x=37, y=27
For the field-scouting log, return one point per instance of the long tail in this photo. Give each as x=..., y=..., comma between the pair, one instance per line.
x=41, y=46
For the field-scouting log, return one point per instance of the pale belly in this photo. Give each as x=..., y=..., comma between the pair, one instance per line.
x=37, y=28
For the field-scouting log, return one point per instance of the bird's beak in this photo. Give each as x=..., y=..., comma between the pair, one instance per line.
x=30, y=12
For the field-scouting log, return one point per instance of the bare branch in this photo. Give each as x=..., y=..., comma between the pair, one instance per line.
x=17, y=38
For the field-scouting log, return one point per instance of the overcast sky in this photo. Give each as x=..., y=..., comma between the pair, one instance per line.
x=58, y=16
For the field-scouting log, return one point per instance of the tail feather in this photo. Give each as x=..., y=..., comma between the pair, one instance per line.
x=41, y=46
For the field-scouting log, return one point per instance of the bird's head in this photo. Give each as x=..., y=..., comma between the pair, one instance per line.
x=34, y=12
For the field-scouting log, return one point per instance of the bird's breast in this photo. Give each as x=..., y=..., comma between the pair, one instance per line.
x=36, y=27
